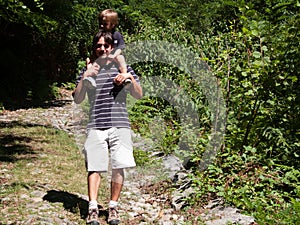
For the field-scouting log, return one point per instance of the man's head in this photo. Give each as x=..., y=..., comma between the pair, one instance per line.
x=102, y=43
x=108, y=19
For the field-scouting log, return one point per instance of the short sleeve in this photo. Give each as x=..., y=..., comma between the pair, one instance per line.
x=118, y=40
x=80, y=75
x=130, y=70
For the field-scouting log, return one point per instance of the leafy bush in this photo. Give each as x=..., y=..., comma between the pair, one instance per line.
x=257, y=168
x=250, y=48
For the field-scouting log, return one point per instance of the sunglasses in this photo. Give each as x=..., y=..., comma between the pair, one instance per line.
x=100, y=45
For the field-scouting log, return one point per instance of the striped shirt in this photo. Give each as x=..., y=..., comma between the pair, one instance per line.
x=108, y=100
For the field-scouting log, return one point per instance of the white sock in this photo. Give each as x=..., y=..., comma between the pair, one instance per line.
x=112, y=204
x=93, y=204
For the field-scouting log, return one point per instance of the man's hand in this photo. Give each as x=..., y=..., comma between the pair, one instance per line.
x=122, y=77
x=88, y=63
x=92, y=69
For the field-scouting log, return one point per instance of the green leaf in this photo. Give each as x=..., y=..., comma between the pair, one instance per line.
x=254, y=32
x=256, y=54
x=264, y=48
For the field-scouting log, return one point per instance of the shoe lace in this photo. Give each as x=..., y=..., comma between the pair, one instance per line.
x=113, y=212
x=94, y=214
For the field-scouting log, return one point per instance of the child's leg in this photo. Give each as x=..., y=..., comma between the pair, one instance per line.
x=122, y=64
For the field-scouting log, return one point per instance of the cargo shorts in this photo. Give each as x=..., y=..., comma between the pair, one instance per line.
x=114, y=144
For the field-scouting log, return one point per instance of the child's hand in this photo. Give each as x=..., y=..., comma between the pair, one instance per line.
x=88, y=63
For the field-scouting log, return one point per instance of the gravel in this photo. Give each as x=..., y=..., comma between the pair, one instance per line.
x=138, y=204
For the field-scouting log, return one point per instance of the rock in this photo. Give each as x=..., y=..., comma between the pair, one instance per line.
x=38, y=194
x=24, y=196
x=172, y=165
x=138, y=206
x=225, y=215
x=179, y=198
x=218, y=214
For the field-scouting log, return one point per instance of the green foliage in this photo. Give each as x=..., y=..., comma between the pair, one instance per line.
x=254, y=55
x=251, y=47
x=29, y=13
x=1, y=107
x=258, y=170
x=156, y=118
x=69, y=86
x=141, y=157
x=55, y=90
x=45, y=39
x=289, y=215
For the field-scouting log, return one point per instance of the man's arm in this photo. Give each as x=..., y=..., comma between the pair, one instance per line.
x=80, y=91
x=135, y=88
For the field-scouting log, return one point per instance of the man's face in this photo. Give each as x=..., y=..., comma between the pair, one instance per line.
x=102, y=48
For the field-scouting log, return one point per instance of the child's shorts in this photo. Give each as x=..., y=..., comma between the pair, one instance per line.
x=113, y=143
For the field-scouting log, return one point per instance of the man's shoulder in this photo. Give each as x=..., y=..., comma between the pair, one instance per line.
x=129, y=69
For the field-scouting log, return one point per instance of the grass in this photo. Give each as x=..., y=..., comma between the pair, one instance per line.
x=35, y=160
x=43, y=177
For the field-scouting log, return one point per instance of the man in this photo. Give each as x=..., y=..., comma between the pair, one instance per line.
x=108, y=130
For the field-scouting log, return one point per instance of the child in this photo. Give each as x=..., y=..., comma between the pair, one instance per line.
x=108, y=21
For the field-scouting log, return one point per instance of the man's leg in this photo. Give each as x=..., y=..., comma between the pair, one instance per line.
x=96, y=157
x=116, y=188
x=93, y=185
x=93, y=180
x=116, y=184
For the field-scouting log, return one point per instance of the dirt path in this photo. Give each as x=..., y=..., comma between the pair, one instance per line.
x=145, y=200
x=138, y=206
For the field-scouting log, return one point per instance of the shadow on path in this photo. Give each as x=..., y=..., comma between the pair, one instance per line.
x=72, y=202
x=14, y=146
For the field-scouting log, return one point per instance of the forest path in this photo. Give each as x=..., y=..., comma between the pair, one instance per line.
x=144, y=199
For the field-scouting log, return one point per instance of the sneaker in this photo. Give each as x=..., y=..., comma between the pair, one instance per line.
x=113, y=216
x=89, y=82
x=127, y=83
x=93, y=217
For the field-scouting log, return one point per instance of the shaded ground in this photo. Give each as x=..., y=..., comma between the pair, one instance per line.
x=32, y=188
x=43, y=179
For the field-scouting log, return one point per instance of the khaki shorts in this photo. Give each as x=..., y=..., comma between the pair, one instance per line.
x=113, y=143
